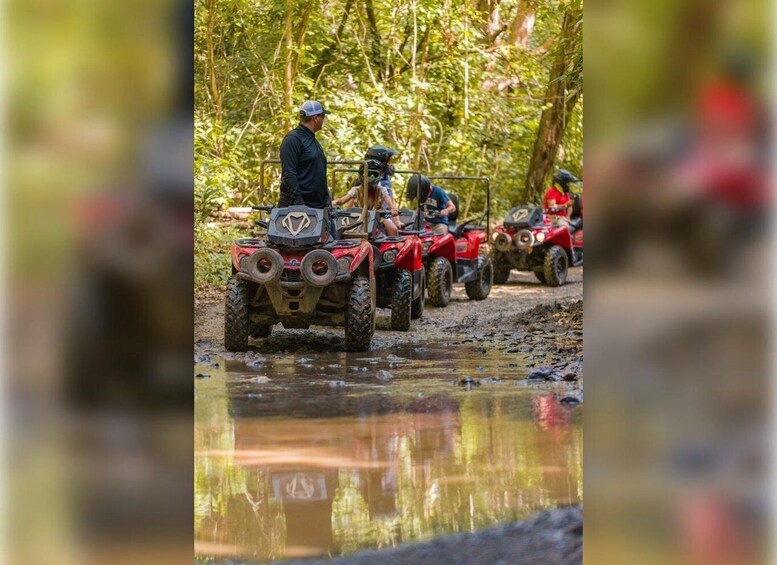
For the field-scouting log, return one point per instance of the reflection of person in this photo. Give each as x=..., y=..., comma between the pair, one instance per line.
x=437, y=205
x=303, y=163
x=559, y=203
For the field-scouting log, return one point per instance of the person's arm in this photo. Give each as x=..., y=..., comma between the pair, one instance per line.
x=392, y=206
x=290, y=151
x=450, y=207
x=350, y=195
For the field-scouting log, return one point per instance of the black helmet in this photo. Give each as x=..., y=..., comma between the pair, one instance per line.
x=380, y=153
x=374, y=171
x=412, y=187
x=564, y=178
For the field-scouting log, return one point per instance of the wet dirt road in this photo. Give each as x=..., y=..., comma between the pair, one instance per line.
x=304, y=450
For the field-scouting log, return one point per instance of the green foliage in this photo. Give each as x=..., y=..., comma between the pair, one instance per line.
x=425, y=77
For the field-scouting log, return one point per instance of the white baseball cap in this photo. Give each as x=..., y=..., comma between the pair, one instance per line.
x=312, y=108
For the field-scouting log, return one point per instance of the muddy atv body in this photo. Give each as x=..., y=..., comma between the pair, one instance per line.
x=300, y=274
x=398, y=267
x=529, y=240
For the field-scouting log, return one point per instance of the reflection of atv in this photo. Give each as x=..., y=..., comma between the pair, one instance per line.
x=455, y=256
x=301, y=274
x=531, y=241
x=399, y=272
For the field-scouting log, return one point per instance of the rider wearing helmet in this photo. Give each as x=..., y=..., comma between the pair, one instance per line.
x=378, y=191
x=558, y=203
x=437, y=205
x=383, y=154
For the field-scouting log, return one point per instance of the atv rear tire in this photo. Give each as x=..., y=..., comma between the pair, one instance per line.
x=540, y=276
x=359, y=316
x=556, y=265
x=236, y=315
x=401, y=300
x=501, y=267
x=440, y=280
x=417, y=309
x=480, y=288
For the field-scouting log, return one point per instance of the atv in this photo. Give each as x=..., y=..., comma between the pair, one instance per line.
x=455, y=256
x=530, y=240
x=304, y=271
x=399, y=270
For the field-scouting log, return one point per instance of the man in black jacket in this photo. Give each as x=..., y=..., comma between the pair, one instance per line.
x=303, y=163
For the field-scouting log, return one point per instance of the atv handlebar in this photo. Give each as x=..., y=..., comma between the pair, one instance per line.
x=263, y=208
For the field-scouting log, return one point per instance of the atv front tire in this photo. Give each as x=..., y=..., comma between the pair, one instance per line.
x=359, y=316
x=236, y=315
x=401, y=300
x=501, y=268
x=417, y=309
x=440, y=279
x=556, y=265
x=480, y=288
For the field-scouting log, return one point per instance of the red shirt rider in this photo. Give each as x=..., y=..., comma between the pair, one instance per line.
x=555, y=198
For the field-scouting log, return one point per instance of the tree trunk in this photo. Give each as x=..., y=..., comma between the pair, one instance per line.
x=564, y=87
x=522, y=25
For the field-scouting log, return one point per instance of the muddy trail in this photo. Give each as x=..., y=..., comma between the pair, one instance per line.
x=468, y=424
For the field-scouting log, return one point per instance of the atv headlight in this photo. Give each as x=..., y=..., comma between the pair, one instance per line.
x=540, y=237
x=343, y=265
x=389, y=256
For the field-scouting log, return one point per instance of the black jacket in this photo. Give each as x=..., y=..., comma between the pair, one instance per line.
x=303, y=165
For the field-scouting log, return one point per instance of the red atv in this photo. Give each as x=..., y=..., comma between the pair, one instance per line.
x=304, y=272
x=399, y=270
x=455, y=256
x=531, y=241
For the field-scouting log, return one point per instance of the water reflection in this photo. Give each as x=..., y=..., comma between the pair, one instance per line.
x=367, y=466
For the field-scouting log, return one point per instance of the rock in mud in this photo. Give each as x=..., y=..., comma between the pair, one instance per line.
x=469, y=383
x=420, y=350
x=303, y=360
x=256, y=363
x=383, y=375
x=570, y=377
x=260, y=380
x=333, y=366
x=491, y=380
x=202, y=376
x=541, y=374
x=336, y=384
x=202, y=358
x=358, y=369
x=570, y=400
x=394, y=358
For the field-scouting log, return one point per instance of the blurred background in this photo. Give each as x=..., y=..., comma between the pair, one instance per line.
x=679, y=281
x=98, y=326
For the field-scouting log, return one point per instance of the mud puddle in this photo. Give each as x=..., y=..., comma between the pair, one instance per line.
x=328, y=453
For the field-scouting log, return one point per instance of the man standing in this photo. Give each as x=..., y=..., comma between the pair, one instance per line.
x=303, y=163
